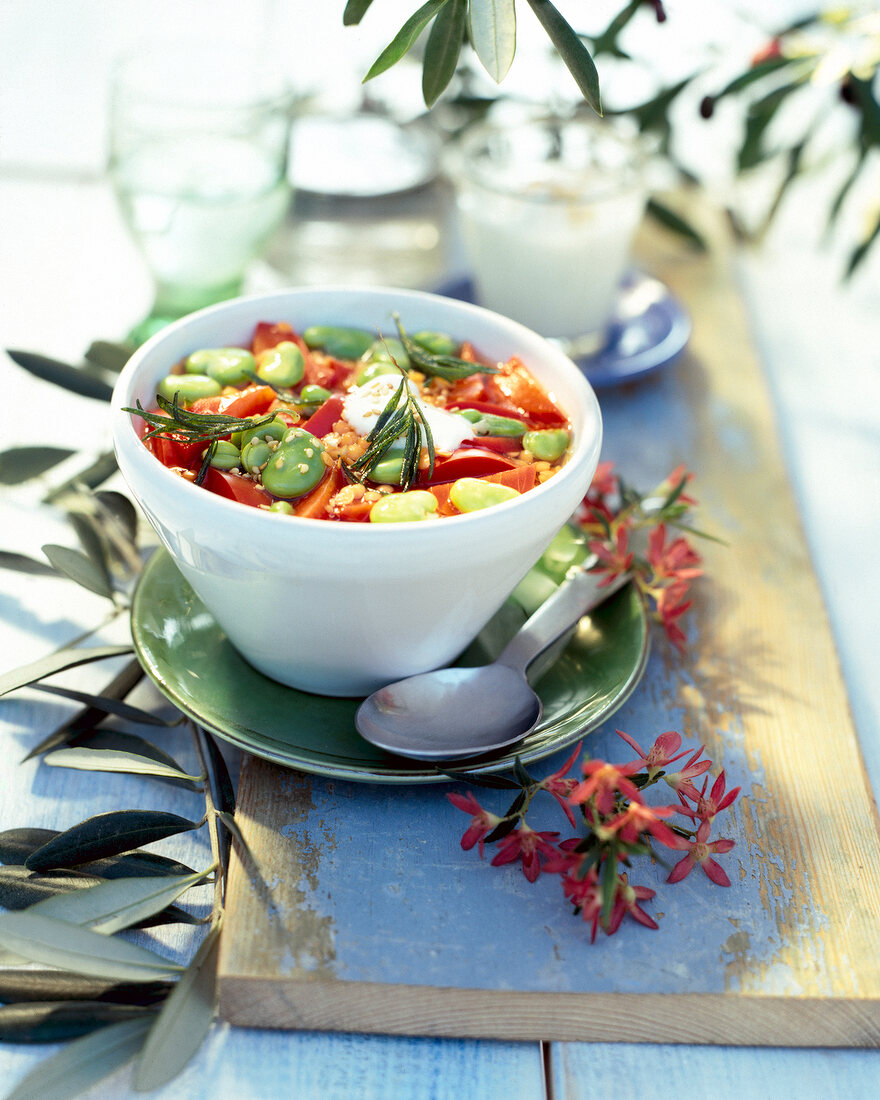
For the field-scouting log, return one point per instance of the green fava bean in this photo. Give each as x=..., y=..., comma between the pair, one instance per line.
x=282, y=506
x=228, y=366
x=283, y=365
x=388, y=469
x=313, y=395
x=341, y=343
x=547, y=444
x=226, y=455
x=470, y=494
x=373, y=370
x=188, y=387
x=255, y=455
x=390, y=350
x=410, y=507
x=275, y=429
x=296, y=467
x=437, y=343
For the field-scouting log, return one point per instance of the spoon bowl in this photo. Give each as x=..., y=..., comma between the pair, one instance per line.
x=457, y=712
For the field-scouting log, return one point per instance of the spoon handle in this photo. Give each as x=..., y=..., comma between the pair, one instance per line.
x=574, y=598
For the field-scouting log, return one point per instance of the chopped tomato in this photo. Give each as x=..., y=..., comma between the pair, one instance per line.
x=314, y=504
x=445, y=507
x=322, y=420
x=467, y=462
x=174, y=450
x=498, y=443
x=267, y=336
x=252, y=401
x=514, y=384
x=234, y=487
x=206, y=404
x=471, y=388
x=521, y=478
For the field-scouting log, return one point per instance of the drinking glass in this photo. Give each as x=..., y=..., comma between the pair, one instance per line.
x=199, y=139
x=547, y=209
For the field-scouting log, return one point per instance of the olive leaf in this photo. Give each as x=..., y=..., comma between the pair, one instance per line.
x=442, y=50
x=116, y=740
x=80, y=568
x=858, y=254
x=53, y=1022
x=69, y=947
x=354, y=12
x=58, y=661
x=23, y=463
x=183, y=1021
x=108, y=355
x=95, y=474
x=83, y=1062
x=404, y=38
x=24, y=889
x=107, y=834
x=82, y=380
x=669, y=219
x=119, y=687
x=58, y=985
x=492, y=32
x=607, y=41
x=21, y=563
x=109, y=907
x=106, y=705
x=222, y=789
x=17, y=844
x=84, y=758
x=490, y=781
x=231, y=825
x=572, y=51
x=92, y=543
x=121, y=509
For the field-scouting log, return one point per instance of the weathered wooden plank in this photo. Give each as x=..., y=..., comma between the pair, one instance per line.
x=377, y=921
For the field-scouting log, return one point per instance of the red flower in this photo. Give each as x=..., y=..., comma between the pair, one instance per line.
x=717, y=801
x=638, y=818
x=627, y=901
x=678, y=560
x=659, y=754
x=604, y=782
x=482, y=822
x=670, y=608
x=526, y=844
x=604, y=483
x=586, y=896
x=560, y=785
x=698, y=851
x=680, y=781
x=617, y=558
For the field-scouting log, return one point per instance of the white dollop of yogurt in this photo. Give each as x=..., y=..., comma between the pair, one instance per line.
x=363, y=404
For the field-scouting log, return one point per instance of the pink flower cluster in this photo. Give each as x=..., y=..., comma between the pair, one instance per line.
x=614, y=824
x=629, y=532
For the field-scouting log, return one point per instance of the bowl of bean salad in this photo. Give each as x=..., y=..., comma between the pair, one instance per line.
x=353, y=480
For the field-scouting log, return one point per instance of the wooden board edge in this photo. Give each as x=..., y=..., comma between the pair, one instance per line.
x=428, y=1011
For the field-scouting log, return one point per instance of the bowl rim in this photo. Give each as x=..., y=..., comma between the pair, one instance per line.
x=129, y=448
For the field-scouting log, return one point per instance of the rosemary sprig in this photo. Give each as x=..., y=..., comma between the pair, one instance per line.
x=449, y=367
x=401, y=417
x=193, y=427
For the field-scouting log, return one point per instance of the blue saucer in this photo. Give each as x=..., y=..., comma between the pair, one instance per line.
x=649, y=330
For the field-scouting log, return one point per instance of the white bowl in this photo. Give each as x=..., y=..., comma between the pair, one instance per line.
x=343, y=608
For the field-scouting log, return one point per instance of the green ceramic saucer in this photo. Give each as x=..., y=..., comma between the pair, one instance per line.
x=192, y=662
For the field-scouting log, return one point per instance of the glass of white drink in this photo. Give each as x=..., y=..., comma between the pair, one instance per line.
x=547, y=209
x=199, y=140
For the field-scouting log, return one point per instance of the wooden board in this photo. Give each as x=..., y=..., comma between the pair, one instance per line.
x=371, y=918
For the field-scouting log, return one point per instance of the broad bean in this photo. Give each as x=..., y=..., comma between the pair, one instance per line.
x=437, y=343
x=409, y=507
x=470, y=494
x=189, y=387
x=228, y=366
x=296, y=467
x=389, y=350
x=282, y=365
x=341, y=343
x=226, y=455
x=548, y=444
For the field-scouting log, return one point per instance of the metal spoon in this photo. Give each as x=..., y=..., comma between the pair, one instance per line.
x=454, y=712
